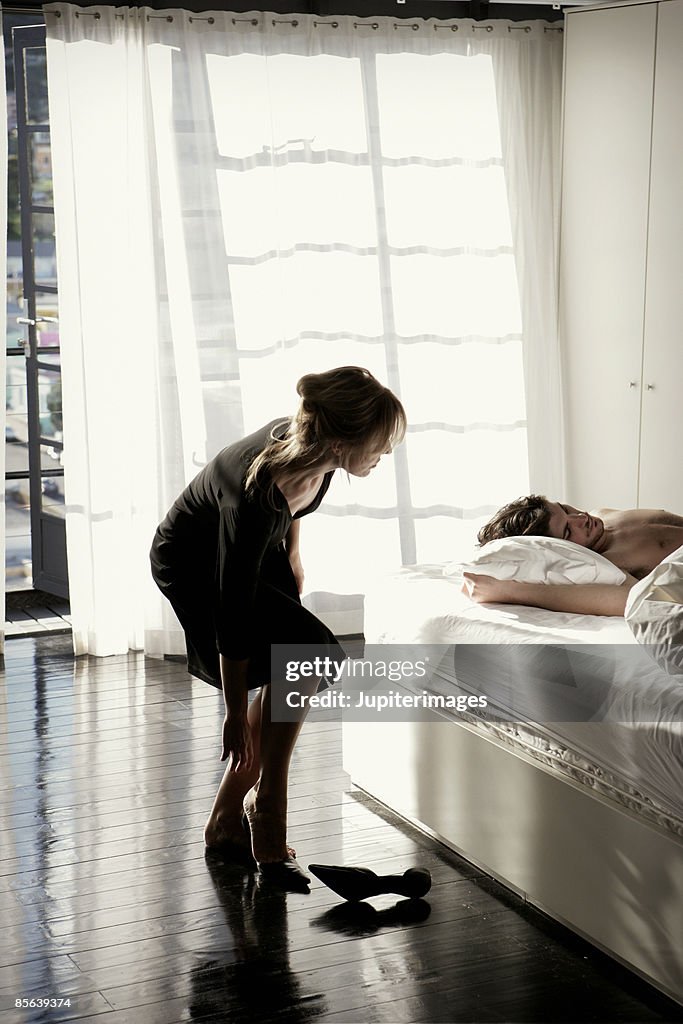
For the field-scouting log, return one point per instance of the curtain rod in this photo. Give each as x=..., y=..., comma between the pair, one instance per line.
x=555, y=4
x=550, y=5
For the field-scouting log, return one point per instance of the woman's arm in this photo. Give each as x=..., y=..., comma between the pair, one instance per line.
x=579, y=598
x=237, y=742
x=292, y=549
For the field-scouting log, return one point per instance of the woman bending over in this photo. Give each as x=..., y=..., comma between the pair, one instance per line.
x=227, y=558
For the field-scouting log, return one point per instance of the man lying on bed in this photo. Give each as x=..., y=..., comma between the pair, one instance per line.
x=635, y=541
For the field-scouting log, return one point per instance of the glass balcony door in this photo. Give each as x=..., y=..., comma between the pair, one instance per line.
x=34, y=414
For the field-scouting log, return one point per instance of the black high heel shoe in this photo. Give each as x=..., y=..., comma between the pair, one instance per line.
x=286, y=874
x=354, y=884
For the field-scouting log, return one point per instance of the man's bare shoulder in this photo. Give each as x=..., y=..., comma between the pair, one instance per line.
x=638, y=517
x=662, y=516
x=618, y=518
x=637, y=540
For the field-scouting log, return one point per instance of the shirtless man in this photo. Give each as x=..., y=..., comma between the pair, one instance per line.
x=635, y=540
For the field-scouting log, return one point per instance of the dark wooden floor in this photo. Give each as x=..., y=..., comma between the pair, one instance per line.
x=106, y=900
x=35, y=613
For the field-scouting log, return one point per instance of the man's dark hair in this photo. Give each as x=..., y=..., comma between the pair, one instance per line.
x=523, y=517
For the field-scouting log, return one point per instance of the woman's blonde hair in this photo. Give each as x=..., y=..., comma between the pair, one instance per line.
x=345, y=406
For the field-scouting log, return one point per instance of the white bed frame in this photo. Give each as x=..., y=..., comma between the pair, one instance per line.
x=578, y=856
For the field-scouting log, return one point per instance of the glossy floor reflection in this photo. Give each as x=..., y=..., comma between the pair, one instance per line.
x=258, y=982
x=108, y=903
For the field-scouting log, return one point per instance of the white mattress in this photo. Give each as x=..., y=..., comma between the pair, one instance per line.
x=633, y=753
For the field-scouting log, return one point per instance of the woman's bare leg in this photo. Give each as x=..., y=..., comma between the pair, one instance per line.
x=224, y=822
x=266, y=802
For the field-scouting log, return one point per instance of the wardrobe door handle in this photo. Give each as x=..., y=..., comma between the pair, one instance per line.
x=650, y=387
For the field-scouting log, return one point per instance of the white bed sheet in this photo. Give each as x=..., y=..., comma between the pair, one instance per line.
x=428, y=607
x=634, y=756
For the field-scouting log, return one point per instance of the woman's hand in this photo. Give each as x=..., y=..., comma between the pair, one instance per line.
x=237, y=742
x=488, y=590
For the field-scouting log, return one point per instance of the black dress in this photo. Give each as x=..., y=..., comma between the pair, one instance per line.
x=219, y=558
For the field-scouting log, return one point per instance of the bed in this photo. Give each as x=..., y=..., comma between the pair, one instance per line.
x=579, y=811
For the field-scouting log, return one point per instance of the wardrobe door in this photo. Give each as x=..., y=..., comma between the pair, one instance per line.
x=661, y=465
x=608, y=85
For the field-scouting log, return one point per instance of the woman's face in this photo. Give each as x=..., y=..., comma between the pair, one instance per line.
x=361, y=461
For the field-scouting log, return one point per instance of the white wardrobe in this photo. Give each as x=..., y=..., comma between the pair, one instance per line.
x=621, y=255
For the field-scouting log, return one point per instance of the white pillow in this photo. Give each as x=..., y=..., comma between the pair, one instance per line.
x=654, y=612
x=539, y=560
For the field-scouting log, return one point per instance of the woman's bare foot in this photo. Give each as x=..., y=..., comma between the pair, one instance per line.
x=221, y=832
x=268, y=827
x=218, y=832
x=276, y=863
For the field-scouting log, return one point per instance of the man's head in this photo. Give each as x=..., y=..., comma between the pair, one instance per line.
x=523, y=517
x=537, y=516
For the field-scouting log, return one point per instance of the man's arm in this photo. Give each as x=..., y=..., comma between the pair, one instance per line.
x=579, y=598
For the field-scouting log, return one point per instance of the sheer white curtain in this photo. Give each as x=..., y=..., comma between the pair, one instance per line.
x=242, y=198
x=3, y=311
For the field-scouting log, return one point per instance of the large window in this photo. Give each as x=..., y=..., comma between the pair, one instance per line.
x=353, y=210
